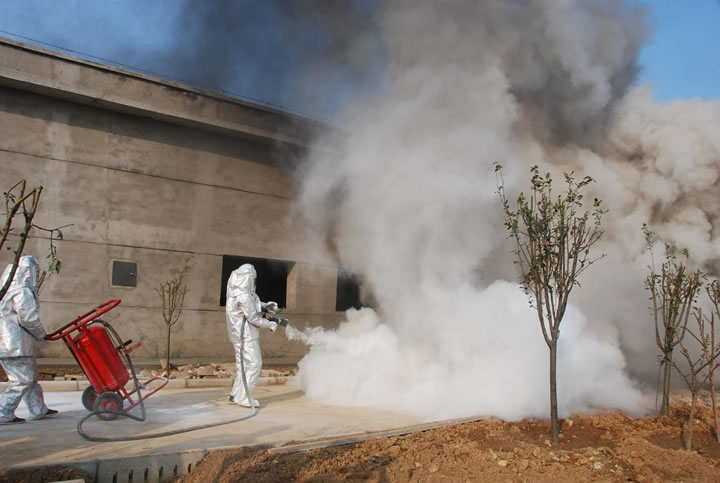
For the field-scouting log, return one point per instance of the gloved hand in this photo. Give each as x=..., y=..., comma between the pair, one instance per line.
x=273, y=326
x=41, y=343
x=271, y=306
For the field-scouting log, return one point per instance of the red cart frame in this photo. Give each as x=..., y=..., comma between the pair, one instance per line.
x=104, y=361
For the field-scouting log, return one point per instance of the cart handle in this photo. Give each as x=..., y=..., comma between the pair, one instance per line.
x=83, y=320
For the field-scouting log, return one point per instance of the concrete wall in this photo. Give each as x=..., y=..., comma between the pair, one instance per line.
x=154, y=191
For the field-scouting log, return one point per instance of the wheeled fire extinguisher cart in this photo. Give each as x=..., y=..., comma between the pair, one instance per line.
x=105, y=360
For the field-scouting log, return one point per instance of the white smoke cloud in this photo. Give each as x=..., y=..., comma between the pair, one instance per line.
x=408, y=197
x=491, y=361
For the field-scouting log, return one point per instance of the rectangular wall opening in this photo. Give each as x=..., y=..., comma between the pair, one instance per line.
x=350, y=294
x=271, y=283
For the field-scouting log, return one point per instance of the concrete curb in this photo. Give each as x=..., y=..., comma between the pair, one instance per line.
x=342, y=440
x=145, y=362
x=69, y=386
x=161, y=467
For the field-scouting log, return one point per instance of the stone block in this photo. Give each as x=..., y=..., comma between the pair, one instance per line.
x=59, y=386
x=208, y=382
x=205, y=371
x=271, y=381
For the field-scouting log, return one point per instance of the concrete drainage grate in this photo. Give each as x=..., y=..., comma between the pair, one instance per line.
x=148, y=469
x=137, y=469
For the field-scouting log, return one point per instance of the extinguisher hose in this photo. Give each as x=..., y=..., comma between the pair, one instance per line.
x=138, y=386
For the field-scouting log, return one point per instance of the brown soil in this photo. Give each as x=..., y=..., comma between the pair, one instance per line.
x=42, y=475
x=606, y=447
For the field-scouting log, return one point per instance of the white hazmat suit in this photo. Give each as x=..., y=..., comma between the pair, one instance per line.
x=244, y=320
x=20, y=330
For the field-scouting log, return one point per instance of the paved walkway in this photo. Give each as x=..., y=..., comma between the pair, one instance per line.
x=286, y=415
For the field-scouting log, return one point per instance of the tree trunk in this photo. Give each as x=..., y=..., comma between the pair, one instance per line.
x=665, y=411
x=167, y=357
x=714, y=403
x=689, y=427
x=554, y=423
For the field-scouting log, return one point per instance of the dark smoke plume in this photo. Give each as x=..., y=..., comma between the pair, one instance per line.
x=309, y=55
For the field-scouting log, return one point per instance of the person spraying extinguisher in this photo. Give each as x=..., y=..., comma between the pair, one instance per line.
x=243, y=314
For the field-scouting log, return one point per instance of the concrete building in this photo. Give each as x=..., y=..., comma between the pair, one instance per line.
x=149, y=173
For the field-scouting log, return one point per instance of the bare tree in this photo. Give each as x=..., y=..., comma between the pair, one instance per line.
x=696, y=365
x=673, y=293
x=172, y=296
x=553, y=238
x=20, y=201
x=54, y=263
x=713, y=291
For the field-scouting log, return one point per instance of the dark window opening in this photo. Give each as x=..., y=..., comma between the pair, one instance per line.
x=350, y=292
x=124, y=274
x=271, y=283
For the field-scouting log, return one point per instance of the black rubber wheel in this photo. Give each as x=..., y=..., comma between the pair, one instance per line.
x=88, y=398
x=108, y=401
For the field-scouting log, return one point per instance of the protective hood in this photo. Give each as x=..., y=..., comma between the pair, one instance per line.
x=242, y=280
x=26, y=276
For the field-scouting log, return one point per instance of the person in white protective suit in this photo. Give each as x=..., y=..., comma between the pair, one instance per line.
x=20, y=330
x=244, y=320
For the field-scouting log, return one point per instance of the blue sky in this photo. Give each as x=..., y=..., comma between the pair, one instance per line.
x=682, y=60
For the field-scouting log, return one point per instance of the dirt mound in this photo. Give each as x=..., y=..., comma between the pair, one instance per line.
x=605, y=447
x=41, y=475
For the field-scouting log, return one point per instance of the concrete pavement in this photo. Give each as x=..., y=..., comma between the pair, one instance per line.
x=285, y=415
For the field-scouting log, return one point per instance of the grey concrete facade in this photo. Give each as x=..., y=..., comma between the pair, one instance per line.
x=153, y=172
